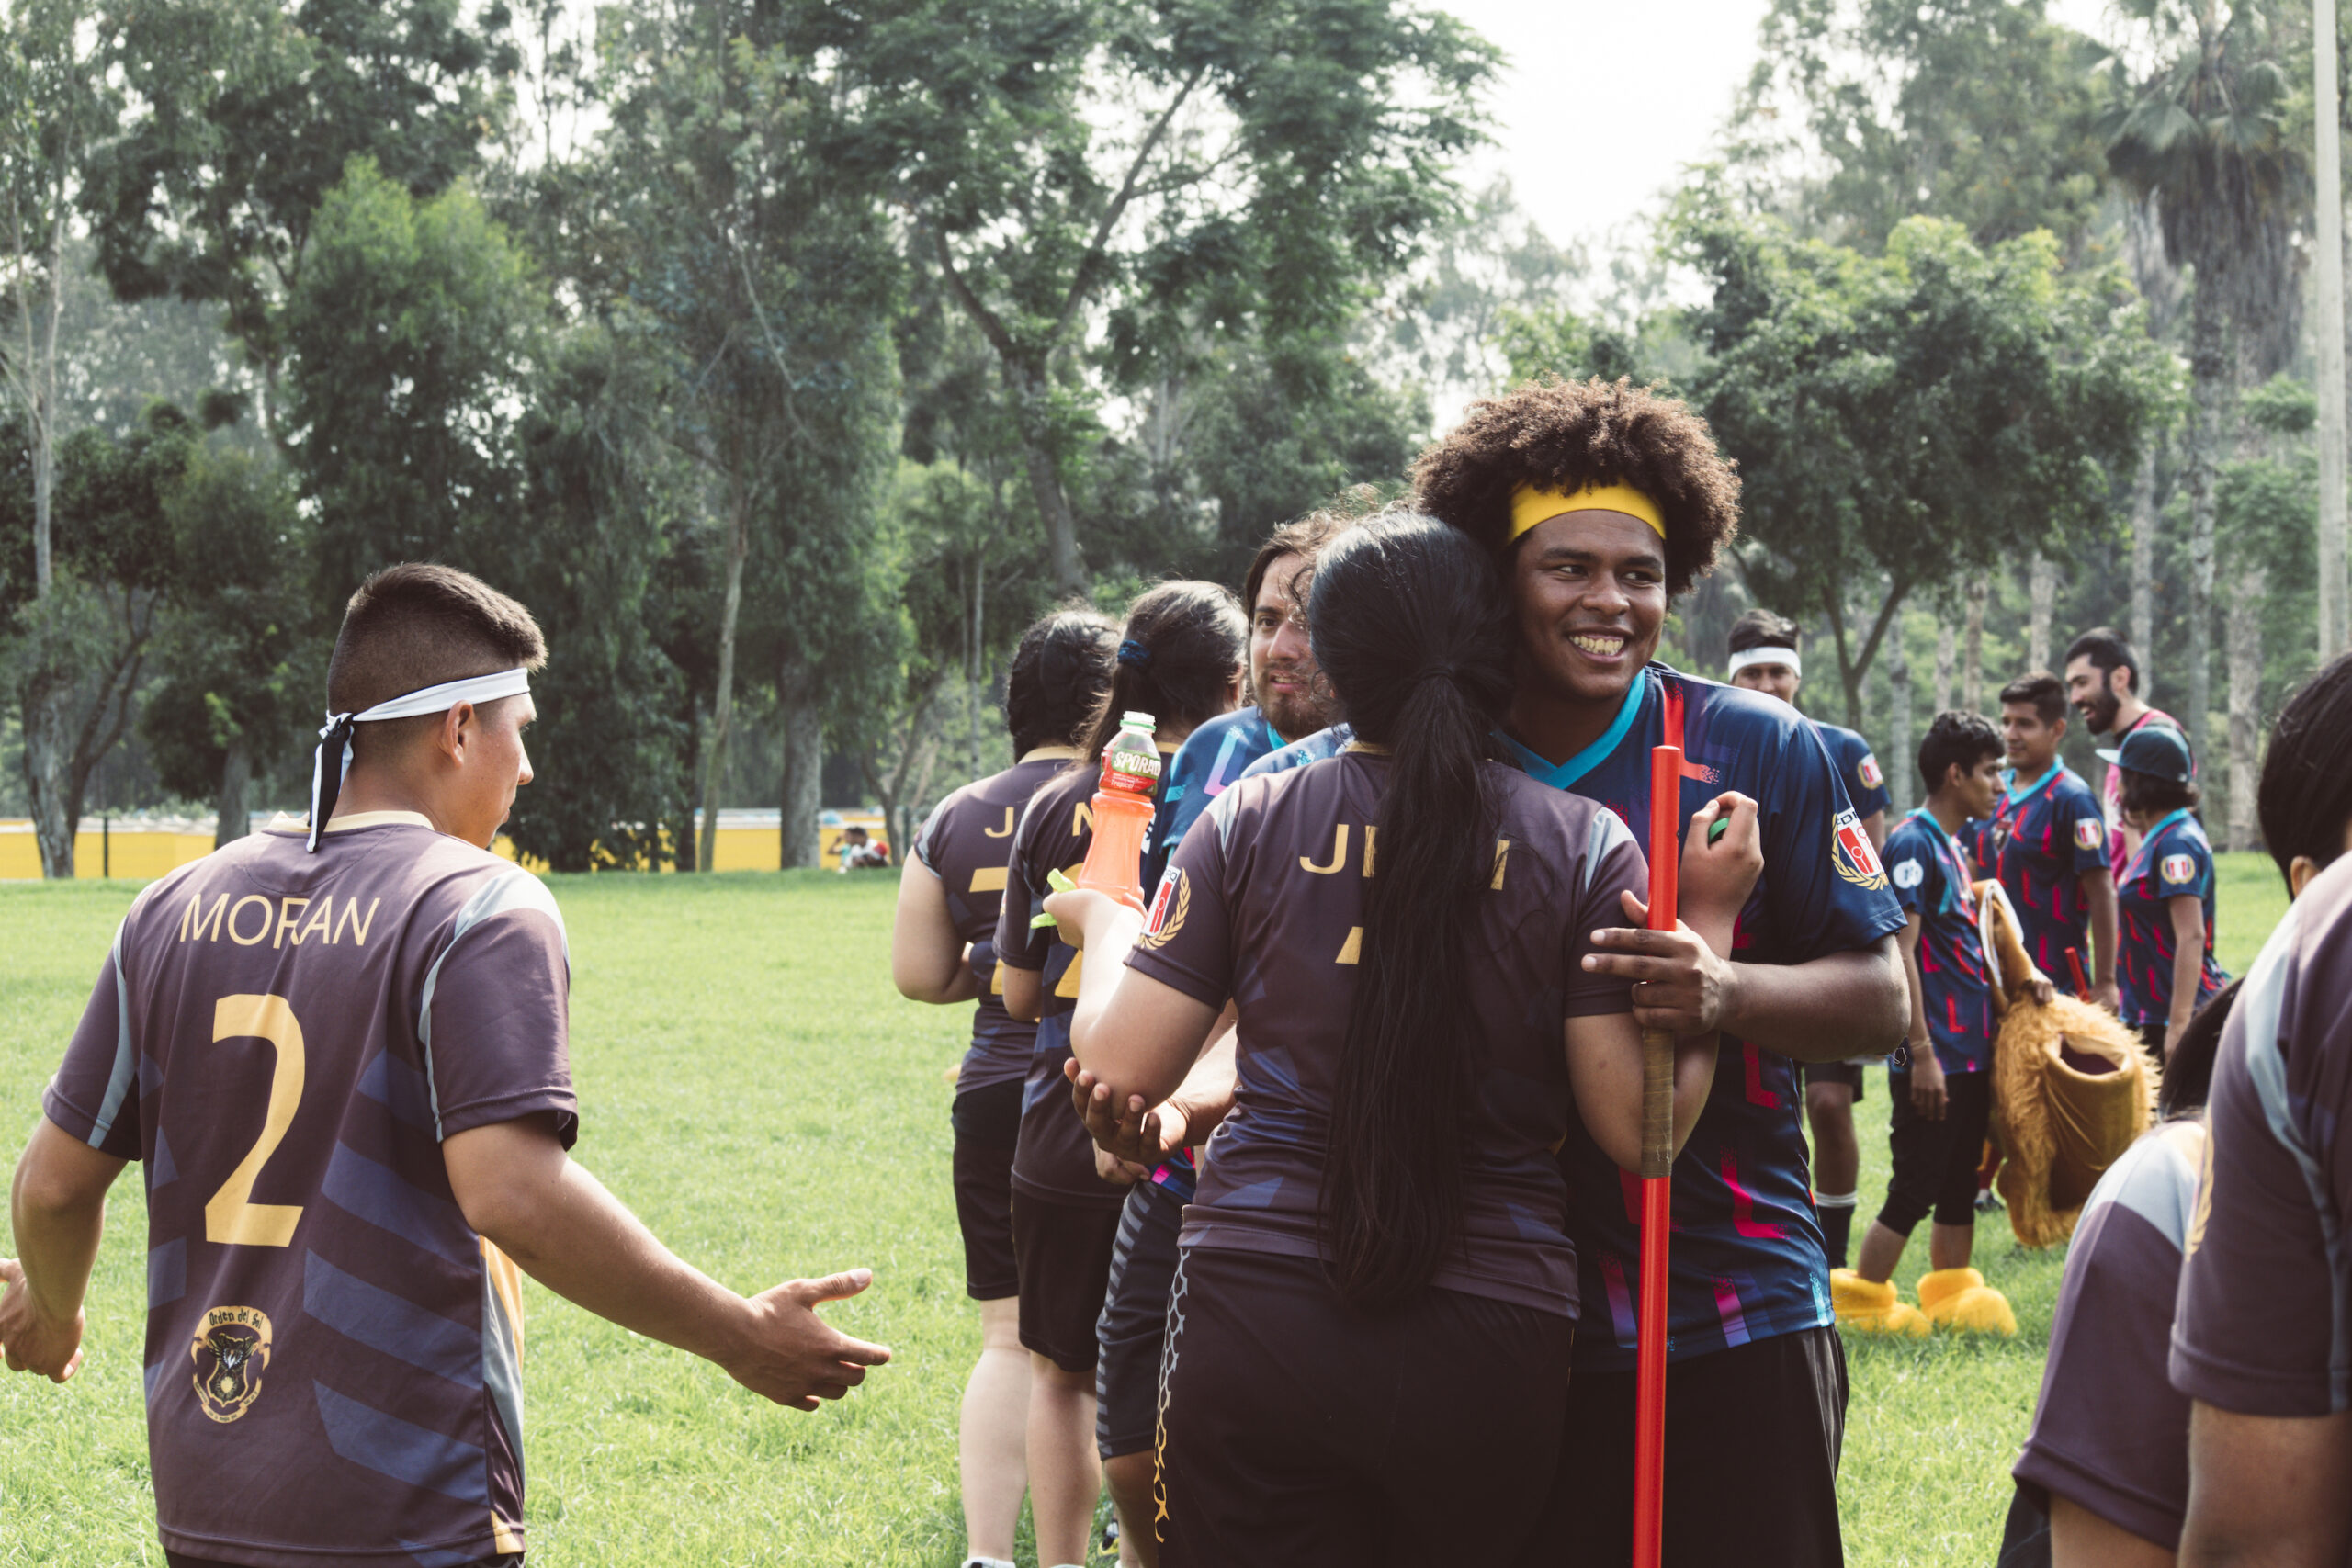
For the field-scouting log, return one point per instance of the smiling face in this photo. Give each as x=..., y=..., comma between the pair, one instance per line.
x=2098, y=695
x=1590, y=591
x=1282, y=665
x=2033, y=745
x=1772, y=680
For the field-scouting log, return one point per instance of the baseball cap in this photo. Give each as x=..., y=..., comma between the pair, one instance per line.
x=2157, y=749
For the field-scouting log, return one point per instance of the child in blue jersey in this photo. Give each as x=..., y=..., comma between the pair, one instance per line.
x=2166, y=899
x=1942, y=1082
x=2046, y=841
x=1765, y=657
x=1599, y=502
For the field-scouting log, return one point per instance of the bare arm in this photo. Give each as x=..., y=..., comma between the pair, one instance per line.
x=2080, y=1538
x=2188, y=913
x=2267, y=1492
x=1605, y=1072
x=58, y=1206
x=1025, y=990
x=1928, y=1088
x=2099, y=892
x=1160, y=1031
x=1143, y=1134
x=559, y=1224
x=1874, y=826
x=929, y=962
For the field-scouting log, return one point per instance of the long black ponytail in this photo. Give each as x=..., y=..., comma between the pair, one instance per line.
x=1183, y=645
x=1409, y=624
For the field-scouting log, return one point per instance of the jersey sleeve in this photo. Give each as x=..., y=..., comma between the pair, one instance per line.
x=1824, y=890
x=1188, y=941
x=1865, y=779
x=2082, y=826
x=2263, y=1291
x=95, y=1096
x=926, y=846
x=1612, y=864
x=2185, y=869
x=1018, y=944
x=495, y=1012
x=1916, y=872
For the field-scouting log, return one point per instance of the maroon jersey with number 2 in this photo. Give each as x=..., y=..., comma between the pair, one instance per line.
x=285, y=1039
x=1264, y=904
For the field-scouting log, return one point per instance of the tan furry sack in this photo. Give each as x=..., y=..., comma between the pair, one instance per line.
x=2071, y=1088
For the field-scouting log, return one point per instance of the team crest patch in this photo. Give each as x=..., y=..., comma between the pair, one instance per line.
x=230, y=1351
x=2178, y=868
x=1907, y=874
x=1851, y=852
x=1168, y=908
x=2089, y=833
x=1867, y=770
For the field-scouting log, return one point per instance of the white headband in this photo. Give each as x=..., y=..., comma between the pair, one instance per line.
x=336, y=734
x=1747, y=656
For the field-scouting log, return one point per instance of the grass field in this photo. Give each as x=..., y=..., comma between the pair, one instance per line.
x=753, y=1086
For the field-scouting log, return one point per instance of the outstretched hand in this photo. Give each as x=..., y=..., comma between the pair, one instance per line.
x=795, y=1358
x=29, y=1344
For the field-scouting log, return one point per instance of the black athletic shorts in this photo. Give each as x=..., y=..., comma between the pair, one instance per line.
x=1134, y=1325
x=1752, y=1440
x=1936, y=1162
x=1846, y=1073
x=1065, y=1254
x=987, y=1124
x=1299, y=1433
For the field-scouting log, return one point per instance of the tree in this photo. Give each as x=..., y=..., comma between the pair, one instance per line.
x=2266, y=503
x=1159, y=169
x=250, y=113
x=1902, y=420
x=2202, y=135
x=240, y=652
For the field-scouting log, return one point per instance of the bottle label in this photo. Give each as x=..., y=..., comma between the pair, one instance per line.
x=1135, y=772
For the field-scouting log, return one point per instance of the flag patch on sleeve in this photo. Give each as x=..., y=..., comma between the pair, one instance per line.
x=1851, y=852
x=2179, y=869
x=1868, y=771
x=2088, y=832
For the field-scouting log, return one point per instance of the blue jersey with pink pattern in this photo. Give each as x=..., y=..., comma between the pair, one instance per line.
x=1746, y=1257
x=2042, y=837
x=2175, y=859
x=1931, y=879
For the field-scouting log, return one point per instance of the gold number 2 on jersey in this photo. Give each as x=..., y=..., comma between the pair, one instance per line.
x=229, y=1217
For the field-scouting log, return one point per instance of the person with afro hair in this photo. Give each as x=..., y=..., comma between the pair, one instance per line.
x=1601, y=503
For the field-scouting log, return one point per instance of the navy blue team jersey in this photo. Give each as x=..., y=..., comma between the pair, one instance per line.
x=2173, y=858
x=2042, y=837
x=1857, y=770
x=1932, y=877
x=1205, y=767
x=1747, y=1259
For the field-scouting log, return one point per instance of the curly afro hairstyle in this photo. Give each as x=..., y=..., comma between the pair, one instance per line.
x=1559, y=434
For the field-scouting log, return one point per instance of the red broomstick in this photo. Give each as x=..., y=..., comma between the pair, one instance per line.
x=1657, y=1178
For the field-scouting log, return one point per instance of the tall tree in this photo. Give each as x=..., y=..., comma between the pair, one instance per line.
x=2202, y=133
x=1156, y=168
x=1913, y=419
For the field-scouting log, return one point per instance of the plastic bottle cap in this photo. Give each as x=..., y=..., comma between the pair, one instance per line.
x=1140, y=720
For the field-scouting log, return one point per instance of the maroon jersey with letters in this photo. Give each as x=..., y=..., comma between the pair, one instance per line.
x=1263, y=903
x=965, y=843
x=283, y=1039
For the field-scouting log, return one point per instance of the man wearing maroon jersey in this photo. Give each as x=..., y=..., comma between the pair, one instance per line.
x=341, y=1054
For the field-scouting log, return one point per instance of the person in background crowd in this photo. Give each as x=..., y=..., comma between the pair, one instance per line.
x=1599, y=502
x=1370, y=1331
x=1181, y=658
x=1765, y=657
x=2046, y=842
x=943, y=950
x=2264, y=1308
x=1942, y=1082
x=2103, y=681
x=2166, y=899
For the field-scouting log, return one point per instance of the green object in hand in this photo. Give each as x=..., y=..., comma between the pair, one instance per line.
x=1058, y=880
x=1716, y=830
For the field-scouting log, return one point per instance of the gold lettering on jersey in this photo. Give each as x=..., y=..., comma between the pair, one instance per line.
x=290, y=916
x=321, y=922
x=352, y=922
x=239, y=938
x=987, y=879
x=1081, y=818
x=230, y=1351
x=1004, y=832
x=1503, y=857
x=230, y=1217
x=193, y=920
x=1352, y=950
x=1371, y=845
x=1339, y=853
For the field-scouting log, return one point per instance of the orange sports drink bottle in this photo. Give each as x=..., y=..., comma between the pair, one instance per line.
x=1123, y=809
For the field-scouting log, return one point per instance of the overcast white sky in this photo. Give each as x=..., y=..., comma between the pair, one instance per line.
x=1602, y=102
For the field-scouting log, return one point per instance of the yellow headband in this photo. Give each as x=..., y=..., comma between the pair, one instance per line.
x=1530, y=507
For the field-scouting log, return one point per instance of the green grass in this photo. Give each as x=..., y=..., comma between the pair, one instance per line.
x=751, y=1084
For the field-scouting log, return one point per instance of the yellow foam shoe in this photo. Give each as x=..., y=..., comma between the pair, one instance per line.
x=1958, y=1298
x=1869, y=1307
